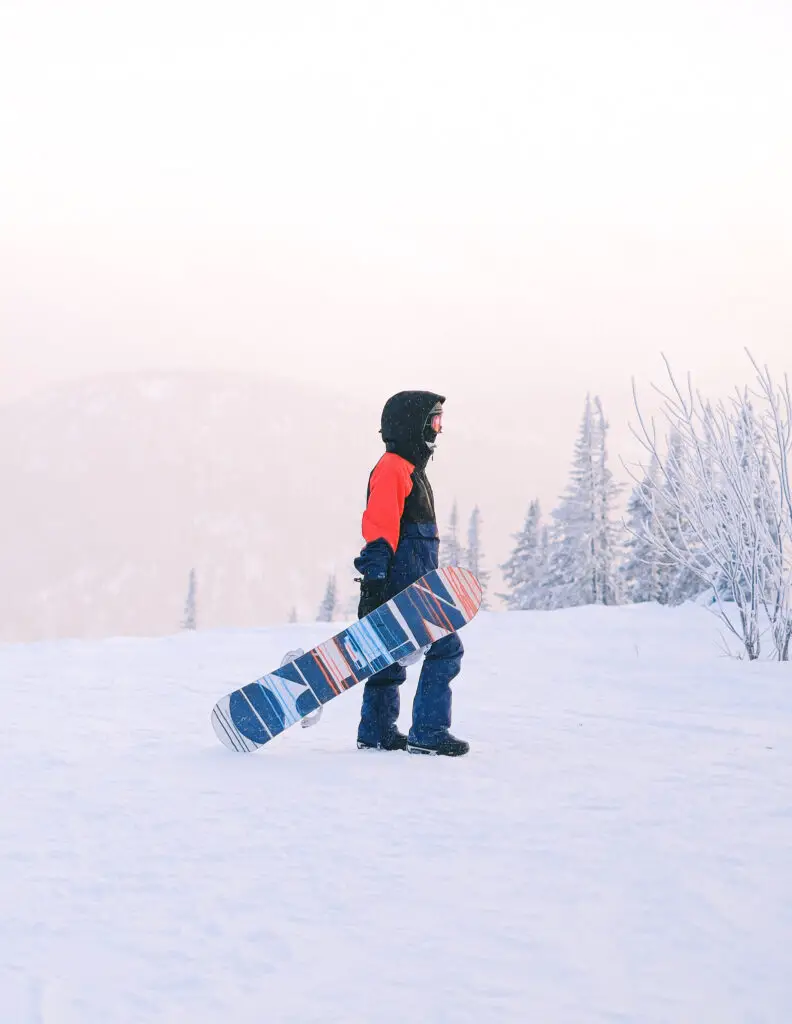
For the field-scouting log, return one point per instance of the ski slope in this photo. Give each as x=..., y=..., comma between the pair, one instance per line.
x=617, y=847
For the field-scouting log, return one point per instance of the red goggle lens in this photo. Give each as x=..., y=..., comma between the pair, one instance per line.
x=436, y=422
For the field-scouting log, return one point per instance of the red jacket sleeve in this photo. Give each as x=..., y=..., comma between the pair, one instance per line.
x=390, y=484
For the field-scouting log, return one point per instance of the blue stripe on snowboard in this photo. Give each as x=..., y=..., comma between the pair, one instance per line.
x=365, y=648
x=388, y=633
x=265, y=707
x=306, y=702
x=288, y=671
x=435, y=582
x=418, y=608
x=315, y=677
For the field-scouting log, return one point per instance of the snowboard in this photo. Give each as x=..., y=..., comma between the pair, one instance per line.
x=435, y=605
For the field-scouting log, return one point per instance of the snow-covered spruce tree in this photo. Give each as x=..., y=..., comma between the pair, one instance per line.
x=327, y=608
x=643, y=569
x=293, y=615
x=525, y=571
x=545, y=594
x=475, y=555
x=584, y=538
x=451, y=550
x=608, y=538
x=649, y=574
x=190, y=604
x=721, y=514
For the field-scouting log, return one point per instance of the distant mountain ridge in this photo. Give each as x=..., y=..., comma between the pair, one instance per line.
x=114, y=488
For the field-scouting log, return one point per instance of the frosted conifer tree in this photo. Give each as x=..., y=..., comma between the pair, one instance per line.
x=608, y=540
x=546, y=596
x=293, y=615
x=327, y=608
x=525, y=572
x=584, y=538
x=190, y=605
x=451, y=550
x=645, y=571
x=475, y=555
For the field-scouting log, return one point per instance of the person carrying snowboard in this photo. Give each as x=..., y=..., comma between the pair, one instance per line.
x=402, y=542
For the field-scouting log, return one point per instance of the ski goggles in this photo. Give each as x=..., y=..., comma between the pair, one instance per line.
x=435, y=422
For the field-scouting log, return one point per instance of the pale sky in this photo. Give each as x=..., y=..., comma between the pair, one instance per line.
x=510, y=202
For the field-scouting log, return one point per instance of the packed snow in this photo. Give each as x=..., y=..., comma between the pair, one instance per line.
x=616, y=848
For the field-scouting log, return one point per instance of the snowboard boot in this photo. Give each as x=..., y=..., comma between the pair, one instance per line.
x=446, y=746
x=378, y=716
x=396, y=741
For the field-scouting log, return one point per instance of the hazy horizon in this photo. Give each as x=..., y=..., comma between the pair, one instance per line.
x=509, y=204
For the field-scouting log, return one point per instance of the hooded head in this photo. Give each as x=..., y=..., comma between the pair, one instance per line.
x=405, y=425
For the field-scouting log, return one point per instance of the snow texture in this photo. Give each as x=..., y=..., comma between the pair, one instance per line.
x=616, y=848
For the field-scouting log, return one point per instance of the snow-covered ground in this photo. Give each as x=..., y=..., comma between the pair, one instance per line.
x=617, y=847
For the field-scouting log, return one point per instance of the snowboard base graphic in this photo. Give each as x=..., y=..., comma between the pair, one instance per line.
x=439, y=603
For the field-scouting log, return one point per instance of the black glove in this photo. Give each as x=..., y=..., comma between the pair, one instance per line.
x=372, y=595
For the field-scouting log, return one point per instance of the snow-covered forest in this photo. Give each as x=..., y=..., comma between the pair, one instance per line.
x=709, y=516
x=698, y=508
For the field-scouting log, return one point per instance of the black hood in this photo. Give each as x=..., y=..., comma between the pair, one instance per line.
x=403, y=420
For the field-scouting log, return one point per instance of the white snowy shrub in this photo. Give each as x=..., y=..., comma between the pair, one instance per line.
x=717, y=512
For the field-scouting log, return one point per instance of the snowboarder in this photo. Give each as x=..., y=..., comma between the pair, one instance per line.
x=400, y=530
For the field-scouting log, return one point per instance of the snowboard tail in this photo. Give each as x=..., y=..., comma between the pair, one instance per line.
x=439, y=603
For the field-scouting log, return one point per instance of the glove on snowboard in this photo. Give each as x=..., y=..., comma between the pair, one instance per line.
x=372, y=595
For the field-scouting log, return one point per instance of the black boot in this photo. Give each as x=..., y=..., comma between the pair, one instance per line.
x=396, y=741
x=378, y=716
x=446, y=746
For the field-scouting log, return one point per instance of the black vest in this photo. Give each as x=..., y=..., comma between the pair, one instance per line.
x=419, y=506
